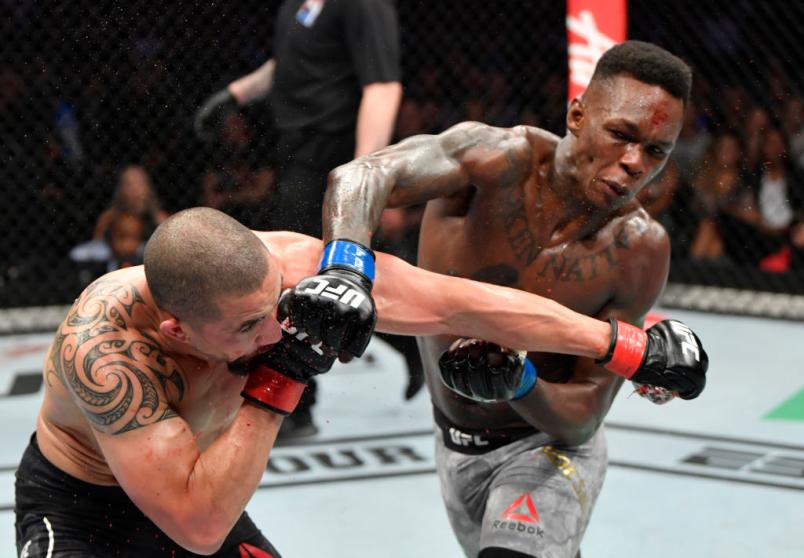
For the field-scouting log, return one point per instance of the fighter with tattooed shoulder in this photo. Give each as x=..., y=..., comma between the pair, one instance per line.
x=166, y=383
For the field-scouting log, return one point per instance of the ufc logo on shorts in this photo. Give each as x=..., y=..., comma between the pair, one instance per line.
x=463, y=439
x=341, y=293
x=689, y=345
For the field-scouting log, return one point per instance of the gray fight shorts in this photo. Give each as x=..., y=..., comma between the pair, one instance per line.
x=518, y=492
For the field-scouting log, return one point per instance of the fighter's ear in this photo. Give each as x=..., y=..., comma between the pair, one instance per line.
x=173, y=328
x=575, y=115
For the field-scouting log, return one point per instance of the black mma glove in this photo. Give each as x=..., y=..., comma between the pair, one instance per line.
x=209, y=118
x=281, y=375
x=668, y=355
x=335, y=306
x=486, y=372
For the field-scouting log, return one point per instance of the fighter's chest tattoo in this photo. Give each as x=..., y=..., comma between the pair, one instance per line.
x=566, y=265
x=570, y=267
x=518, y=232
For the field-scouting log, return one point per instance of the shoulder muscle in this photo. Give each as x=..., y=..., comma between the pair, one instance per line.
x=117, y=376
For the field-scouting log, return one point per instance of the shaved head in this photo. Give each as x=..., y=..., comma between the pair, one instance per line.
x=198, y=256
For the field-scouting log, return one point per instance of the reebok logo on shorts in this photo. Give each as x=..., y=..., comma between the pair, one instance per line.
x=523, y=509
x=520, y=517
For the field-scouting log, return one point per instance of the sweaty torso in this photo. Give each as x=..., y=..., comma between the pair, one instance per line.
x=500, y=234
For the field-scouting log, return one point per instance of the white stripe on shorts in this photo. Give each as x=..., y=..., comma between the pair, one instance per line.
x=50, y=538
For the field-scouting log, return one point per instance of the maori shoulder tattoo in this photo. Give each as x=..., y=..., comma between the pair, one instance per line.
x=117, y=376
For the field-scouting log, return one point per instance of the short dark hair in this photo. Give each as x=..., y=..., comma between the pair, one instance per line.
x=647, y=63
x=198, y=256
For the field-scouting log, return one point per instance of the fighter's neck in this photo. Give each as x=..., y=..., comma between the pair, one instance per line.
x=564, y=212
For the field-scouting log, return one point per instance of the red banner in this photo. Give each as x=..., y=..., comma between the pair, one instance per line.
x=593, y=27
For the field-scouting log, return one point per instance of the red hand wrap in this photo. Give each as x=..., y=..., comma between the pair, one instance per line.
x=269, y=388
x=629, y=350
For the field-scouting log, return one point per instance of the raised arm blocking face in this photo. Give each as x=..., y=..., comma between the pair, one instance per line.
x=155, y=403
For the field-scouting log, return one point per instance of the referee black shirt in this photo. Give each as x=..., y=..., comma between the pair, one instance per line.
x=326, y=51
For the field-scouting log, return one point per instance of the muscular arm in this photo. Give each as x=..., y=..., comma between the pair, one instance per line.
x=418, y=169
x=376, y=116
x=254, y=86
x=466, y=308
x=456, y=306
x=120, y=379
x=573, y=411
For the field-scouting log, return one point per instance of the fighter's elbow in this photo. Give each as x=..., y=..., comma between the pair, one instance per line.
x=574, y=436
x=578, y=431
x=201, y=533
x=205, y=541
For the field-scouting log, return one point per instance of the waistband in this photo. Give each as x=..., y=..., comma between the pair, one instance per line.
x=479, y=441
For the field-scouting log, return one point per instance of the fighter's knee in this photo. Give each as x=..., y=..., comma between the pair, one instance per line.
x=495, y=552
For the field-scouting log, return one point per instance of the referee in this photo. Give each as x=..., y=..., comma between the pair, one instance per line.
x=334, y=84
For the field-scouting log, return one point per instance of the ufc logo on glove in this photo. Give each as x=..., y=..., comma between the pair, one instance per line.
x=689, y=345
x=341, y=293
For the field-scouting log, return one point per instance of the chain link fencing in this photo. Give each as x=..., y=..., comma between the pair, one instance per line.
x=97, y=102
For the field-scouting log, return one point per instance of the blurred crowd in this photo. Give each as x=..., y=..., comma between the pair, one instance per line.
x=97, y=154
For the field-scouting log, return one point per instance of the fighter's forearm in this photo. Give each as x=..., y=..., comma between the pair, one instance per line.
x=526, y=321
x=376, y=116
x=355, y=198
x=224, y=477
x=412, y=301
x=571, y=412
x=254, y=86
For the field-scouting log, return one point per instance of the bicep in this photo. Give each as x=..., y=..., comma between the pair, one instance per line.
x=152, y=464
x=121, y=386
x=425, y=167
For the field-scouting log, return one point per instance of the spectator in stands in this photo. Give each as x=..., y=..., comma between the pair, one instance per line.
x=717, y=185
x=126, y=241
x=794, y=129
x=777, y=200
x=239, y=185
x=756, y=122
x=756, y=221
x=135, y=195
x=777, y=183
x=733, y=106
x=121, y=246
x=691, y=143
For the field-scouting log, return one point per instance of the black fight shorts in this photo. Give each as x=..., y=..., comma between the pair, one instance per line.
x=59, y=516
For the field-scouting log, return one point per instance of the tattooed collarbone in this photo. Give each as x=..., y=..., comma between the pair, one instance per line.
x=116, y=375
x=569, y=267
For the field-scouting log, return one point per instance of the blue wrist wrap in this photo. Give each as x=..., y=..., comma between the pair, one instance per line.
x=348, y=254
x=528, y=381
